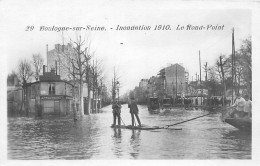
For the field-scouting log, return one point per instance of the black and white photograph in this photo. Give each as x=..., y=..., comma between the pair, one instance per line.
x=129, y=80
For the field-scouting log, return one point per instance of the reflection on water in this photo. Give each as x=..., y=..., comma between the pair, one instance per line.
x=92, y=138
x=117, y=142
x=135, y=143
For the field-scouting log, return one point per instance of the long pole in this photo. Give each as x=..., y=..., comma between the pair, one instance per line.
x=190, y=119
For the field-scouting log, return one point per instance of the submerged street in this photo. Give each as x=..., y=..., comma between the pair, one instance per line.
x=92, y=138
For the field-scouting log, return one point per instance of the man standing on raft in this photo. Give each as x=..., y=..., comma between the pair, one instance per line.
x=134, y=111
x=116, y=112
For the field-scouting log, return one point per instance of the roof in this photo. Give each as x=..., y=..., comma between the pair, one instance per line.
x=29, y=84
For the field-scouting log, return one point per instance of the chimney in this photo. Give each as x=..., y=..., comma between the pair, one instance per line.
x=43, y=69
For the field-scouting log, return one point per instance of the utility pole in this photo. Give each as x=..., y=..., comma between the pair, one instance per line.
x=223, y=79
x=201, y=92
x=200, y=66
x=176, y=79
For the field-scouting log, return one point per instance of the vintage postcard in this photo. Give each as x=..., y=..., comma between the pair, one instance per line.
x=172, y=81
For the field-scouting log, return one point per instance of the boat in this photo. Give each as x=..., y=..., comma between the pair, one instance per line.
x=153, y=104
x=244, y=124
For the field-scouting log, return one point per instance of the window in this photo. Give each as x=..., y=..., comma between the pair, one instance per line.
x=51, y=88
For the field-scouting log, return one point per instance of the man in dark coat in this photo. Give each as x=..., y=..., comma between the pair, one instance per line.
x=134, y=111
x=116, y=112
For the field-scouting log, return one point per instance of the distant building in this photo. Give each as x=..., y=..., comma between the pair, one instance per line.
x=171, y=74
x=143, y=84
x=57, y=59
x=155, y=87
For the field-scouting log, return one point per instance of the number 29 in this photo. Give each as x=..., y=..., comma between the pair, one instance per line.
x=29, y=28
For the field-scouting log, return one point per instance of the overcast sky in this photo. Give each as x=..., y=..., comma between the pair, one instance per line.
x=143, y=53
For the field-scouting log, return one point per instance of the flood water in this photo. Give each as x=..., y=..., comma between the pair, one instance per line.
x=92, y=138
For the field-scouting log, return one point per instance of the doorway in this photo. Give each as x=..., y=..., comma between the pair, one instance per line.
x=57, y=107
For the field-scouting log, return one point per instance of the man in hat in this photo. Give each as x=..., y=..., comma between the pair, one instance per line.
x=116, y=112
x=239, y=106
x=134, y=111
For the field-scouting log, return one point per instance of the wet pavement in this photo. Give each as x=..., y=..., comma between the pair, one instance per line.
x=92, y=138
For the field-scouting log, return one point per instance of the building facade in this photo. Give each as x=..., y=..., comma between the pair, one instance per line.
x=143, y=84
x=51, y=94
x=174, y=80
x=155, y=86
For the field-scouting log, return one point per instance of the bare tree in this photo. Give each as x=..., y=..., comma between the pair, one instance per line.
x=76, y=63
x=115, y=84
x=89, y=75
x=79, y=68
x=37, y=61
x=97, y=70
x=24, y=73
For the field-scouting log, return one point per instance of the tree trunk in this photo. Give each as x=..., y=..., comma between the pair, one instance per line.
x=96, y=102
x=93, y=101
x=21, y=107
x=89, y=99
x=81, y=106
x=26, y=102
